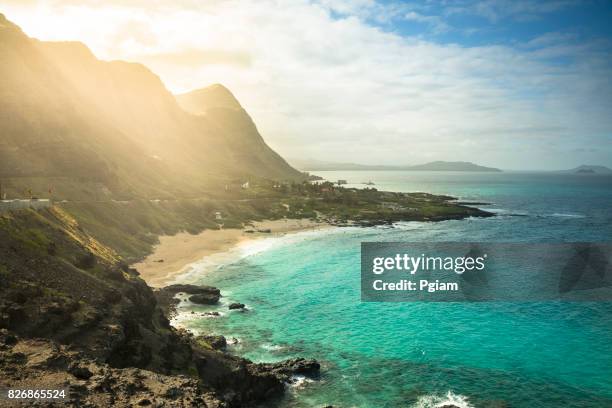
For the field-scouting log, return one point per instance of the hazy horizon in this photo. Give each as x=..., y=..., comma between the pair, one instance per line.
x=514, y=85
x=293, y=160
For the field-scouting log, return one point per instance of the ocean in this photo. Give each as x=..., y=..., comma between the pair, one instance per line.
x=303, y=296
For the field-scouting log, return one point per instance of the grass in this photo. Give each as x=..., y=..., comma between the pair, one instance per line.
x=132, y=227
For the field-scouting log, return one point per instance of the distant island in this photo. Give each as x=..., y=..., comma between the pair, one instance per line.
x=589, y=169
x=316, y=165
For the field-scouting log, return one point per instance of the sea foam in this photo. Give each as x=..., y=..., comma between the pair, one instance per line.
x=436, y=401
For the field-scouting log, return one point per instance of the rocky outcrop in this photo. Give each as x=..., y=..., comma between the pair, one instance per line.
x=90, y=383
x=101, y=332
x=204, y=299
x=192, y=289
x=216, y=342
x=236, y=306
x=285, y=370
x=204, y=295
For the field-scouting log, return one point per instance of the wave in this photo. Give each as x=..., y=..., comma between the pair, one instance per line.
x=509, y=213
x=299, y=381
x=436, y=401
x=567, y=215
x=243, y=250
x=506, y=212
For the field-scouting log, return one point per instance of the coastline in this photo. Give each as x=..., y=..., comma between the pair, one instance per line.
x=174, y=253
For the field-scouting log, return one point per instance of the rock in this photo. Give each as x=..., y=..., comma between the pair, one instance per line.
x=144, y=402
x=204, y=299
x=203, y=295
x=216, y=342
x=7, y=338
x=284, y=370
x=236, y=306
x=191, y=289
x=211, y=314
x=82, y=373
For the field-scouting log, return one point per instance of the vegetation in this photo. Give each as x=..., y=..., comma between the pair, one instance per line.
x=132, y=227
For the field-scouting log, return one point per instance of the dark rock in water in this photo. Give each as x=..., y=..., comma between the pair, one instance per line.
x=286, y=369
x=214, y=341
x=205, y=298
x=203, y=295
x=236, y=306
x=211, y=314
x=449, y=406
x=191, y=289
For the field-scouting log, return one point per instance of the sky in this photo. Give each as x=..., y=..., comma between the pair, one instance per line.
x=512, y=84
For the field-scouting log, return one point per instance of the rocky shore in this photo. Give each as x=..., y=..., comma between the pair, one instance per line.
x=74, y=317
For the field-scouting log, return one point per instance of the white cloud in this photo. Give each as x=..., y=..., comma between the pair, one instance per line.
x=438, y=25
x=520, y=10
x=339, y=88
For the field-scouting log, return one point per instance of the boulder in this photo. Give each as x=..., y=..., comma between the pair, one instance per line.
x=236, y=306
x=284, y=370
x=214, y=341
x=204, y=298
x=191, y=289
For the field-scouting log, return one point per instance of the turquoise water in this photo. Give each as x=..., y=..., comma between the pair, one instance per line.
x=303, y=292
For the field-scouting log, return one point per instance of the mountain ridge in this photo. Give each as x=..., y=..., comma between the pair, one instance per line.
x=69, y=119
x=589, y=168
x=314, y=165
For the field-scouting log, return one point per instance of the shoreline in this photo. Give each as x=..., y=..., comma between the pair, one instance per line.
x=175, y=253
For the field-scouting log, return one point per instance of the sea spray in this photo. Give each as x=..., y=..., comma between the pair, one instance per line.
x=436, y=401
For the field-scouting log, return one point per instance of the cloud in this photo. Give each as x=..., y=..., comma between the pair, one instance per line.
x=438, y=25
x=193, y=58
x=520, y=10
x=323, y=80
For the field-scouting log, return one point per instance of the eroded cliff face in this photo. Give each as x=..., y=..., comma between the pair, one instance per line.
x=73, y=315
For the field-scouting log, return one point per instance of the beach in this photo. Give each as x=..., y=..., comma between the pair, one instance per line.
x=171, y=257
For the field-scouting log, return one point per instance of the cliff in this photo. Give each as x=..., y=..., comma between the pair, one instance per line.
x=73, y=315
x=110, y=128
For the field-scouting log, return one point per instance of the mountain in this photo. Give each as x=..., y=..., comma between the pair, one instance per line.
x=218, y=106
x=451, y=166
x=315, y=165
x=589, y=169
x=87, y=126
x=202, y=101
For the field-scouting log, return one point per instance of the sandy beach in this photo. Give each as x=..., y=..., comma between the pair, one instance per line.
x=175, y=253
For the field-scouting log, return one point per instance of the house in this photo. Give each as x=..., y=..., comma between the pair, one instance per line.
x=218, y=215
